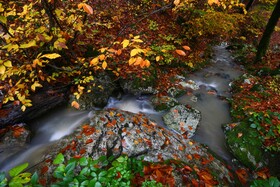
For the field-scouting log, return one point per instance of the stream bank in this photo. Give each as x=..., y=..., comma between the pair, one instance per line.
x=206, y=91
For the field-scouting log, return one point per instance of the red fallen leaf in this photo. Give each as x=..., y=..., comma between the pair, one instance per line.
x=77, y=156
x=195, y=183
x=48, y=160
x=197, y=156
x=43, y=182
x=89, y=141
x=242, y=175
x=118, y=175
x=189, y=157
x=188, y=168
x=181, y=148
x=65, y=148
x=263, y=173
x=148, y=142
x=114, y=122
x=82, y=151
x=103, y=119
x=110, y=132
x=44, y=170
x=122, y=119
x=159, y=156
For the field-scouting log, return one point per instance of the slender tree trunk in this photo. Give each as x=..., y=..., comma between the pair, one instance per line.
x=272, y=22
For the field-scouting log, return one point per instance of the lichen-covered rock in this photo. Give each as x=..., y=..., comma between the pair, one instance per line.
x=176, y=91
x=96, y=94
x=115, y=132
x=182, y=119
x=189, y=84
x=163, y=102
x=244, y=144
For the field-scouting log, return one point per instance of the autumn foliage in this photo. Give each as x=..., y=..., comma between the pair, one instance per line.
x=56, y=43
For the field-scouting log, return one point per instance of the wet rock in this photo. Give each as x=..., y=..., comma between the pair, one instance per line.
x=97, y=93
x=189, y=84
x=13, y=139
x=182, y=119
x=176, y=91
x=164, y=102
x=244, y=144
x=115, y=132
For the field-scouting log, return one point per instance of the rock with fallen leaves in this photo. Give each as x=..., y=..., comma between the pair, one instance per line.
x=115, y=132
x=182, y=119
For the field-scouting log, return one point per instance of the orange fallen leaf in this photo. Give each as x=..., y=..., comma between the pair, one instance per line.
x=180, y=52
x=187, y=48
x=75, y=104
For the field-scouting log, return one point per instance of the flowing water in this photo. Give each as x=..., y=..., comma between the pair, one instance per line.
x=213, y=85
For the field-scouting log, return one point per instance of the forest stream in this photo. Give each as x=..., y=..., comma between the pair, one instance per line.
x=209, y=98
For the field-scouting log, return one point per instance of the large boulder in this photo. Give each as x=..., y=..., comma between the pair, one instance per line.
x=114, y=132
x=182, y=119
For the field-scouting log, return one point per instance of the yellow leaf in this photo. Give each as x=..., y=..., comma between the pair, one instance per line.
x=94, y=61
x=180, y=52
x=51, y=56
x=176, y=2
x=34, y=85
x=158, y=58
x=2, y=69
x=125, y=43
x=23, y=108
x=75, y=104
x=8, y=64
x=104, y=65
x=3, y=19
x=87, y=8
x=10, y=46
x=32, y=43
x=135, y=52
x=137, y=40
x=190, y=64
x=187, y=48
x=131, y=61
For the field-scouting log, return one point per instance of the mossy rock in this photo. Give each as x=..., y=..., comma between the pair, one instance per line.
x=138, y=86
x=244, y=144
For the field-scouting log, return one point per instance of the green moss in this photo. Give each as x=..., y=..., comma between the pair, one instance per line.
x=245, y=145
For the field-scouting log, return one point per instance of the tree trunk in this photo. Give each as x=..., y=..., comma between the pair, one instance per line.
x=249, y=4
x=272, y=22
x=41, y=103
